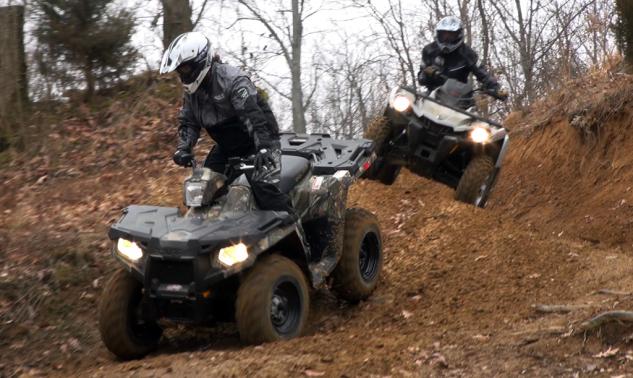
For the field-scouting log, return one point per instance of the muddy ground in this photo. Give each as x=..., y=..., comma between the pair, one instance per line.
x=461, y=286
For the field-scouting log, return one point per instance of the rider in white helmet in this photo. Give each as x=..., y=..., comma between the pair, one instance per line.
x=449, y=57
x=221, y=99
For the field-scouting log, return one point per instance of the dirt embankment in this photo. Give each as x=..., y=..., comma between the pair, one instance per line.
x=570, y=165
x=459, y=283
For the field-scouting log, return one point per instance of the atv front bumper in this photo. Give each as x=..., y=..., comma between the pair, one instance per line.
x=179, y=267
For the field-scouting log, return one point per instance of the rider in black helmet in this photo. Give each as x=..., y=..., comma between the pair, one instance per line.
x=221, y=99
x=449, y=57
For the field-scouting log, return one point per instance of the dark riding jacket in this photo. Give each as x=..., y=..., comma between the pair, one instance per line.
x=457, y=65
x=231, y=110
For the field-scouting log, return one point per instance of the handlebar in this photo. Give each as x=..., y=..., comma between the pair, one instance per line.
x=242, y=164
x=480, y=89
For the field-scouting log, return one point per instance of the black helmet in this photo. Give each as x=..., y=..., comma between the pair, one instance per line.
x=449, y=34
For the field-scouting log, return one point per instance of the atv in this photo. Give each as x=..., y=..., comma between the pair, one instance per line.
x=225, y=259
x=435, y=137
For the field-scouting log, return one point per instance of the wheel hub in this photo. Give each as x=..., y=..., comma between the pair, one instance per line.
x=279, y=309
x=368, y=258
x=482, y=191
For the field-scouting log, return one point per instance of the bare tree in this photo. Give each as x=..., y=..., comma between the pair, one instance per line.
x=288, y=34
x=625, y=29
x=178, y=18
x=13, y=91
x=598, y=21
x=531, y=34
x=354, y=86
x=398, y=38
x=13, y=84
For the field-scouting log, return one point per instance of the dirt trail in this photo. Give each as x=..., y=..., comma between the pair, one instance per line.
x=458, y=288
x=456, y=299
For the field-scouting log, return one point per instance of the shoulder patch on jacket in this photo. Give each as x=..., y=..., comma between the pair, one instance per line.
x=241, y=93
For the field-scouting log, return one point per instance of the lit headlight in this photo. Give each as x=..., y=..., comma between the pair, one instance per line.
x=401, y=103
x=129, y=250
x=401, y=99
x=194, y=193
x=480, y=134
x=234, y=254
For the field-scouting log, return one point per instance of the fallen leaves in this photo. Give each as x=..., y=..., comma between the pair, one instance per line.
x=313, y=373
x=607, y=353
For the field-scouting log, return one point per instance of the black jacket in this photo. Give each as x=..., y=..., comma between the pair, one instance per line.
x=229, y=107
x=457, y=64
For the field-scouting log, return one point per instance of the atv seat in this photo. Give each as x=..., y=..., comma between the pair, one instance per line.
x=293, y=169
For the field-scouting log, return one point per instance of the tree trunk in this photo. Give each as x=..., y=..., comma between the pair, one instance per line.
x=89, y=76
x=176, y=19
x=298, y=111
x=13, y=83
x=485, y=34
x=625, y=29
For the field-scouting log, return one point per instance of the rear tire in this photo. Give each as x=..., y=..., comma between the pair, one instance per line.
x=474, y=185
x=122, y=328
x=272, y=301
x=358, y=271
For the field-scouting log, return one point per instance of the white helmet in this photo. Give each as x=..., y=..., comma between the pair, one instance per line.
x=190, y=55
x=449, y=34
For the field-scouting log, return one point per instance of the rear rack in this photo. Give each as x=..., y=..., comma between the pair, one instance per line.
x=327, y=155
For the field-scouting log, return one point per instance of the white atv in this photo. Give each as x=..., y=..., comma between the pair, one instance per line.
x=435, y=137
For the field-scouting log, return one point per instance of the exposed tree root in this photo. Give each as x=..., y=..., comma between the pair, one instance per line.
x=614, y=292
x=605, y=318
x=557, y=309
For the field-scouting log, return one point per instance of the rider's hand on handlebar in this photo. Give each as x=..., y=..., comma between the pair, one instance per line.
x=431, y=71
x=184, y=158
x=502, y=94
x=265, y=161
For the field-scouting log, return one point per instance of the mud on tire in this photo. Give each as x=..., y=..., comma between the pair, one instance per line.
x=358, y=271
x=123, y=333
x=384, y=172
x=272, y=301
x=378, y=131
x=471, y=188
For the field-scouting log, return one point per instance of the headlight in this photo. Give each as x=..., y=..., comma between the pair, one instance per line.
x=234, y=254
x=480, y=134
x=401, y=103
x=194, y=193
x=201, y=187
x=401, y=99
x=129, y=250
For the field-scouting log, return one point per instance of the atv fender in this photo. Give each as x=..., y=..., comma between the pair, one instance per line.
x=502, y=152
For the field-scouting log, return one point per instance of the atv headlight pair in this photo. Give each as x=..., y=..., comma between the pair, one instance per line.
x=129, y=250
x=480, y=133
x=401, y=99
x=234, y=254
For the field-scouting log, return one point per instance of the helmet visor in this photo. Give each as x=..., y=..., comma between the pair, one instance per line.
x=187, y=72
x=447, y=37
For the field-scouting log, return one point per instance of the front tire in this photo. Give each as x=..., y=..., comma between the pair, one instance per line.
x=475, y=183
x=358, y=271
x=123, y=329
x=378, y=131
x=272, y=301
